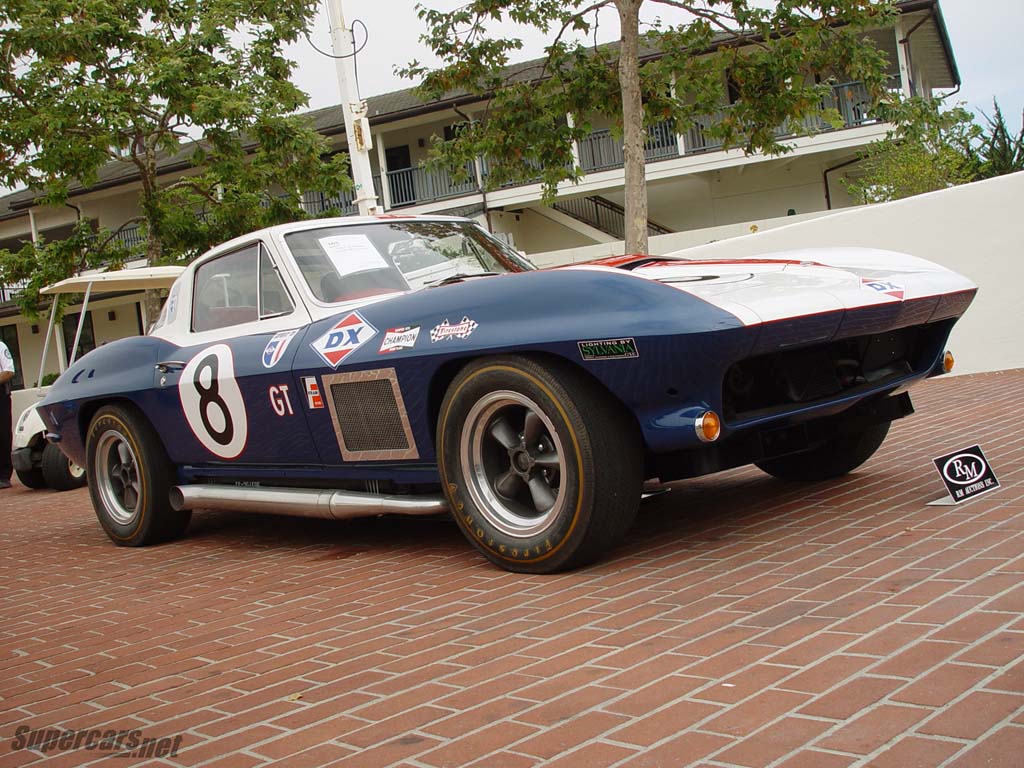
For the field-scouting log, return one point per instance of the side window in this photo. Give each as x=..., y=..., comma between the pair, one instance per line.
x=226, y=291
x=274, y=299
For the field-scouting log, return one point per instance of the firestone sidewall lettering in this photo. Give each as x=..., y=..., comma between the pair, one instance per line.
x=212, y=402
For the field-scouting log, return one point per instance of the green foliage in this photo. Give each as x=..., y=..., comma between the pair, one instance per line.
x=772, y=55
x=204, y=83
x=928, y=148
x=1000, y=151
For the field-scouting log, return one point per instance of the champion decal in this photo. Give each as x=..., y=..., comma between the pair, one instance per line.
x=399, y=338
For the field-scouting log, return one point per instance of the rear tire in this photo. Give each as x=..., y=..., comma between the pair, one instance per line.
x=837, y=457
x=130, y=479
x=538, y=479
x=32, y=478
x=59, y=472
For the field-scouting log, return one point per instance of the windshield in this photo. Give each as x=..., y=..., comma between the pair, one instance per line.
x=344, y=263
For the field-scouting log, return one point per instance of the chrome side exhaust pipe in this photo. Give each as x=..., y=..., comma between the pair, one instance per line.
x=303, y=502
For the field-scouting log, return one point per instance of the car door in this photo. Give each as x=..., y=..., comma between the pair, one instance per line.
x=225, y=390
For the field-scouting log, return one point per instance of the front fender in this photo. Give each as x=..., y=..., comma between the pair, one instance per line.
x=121, y=370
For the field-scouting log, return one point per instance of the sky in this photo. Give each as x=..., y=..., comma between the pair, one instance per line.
x=984, y=36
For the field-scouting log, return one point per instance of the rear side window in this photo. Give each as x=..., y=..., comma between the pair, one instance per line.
x=226, y=291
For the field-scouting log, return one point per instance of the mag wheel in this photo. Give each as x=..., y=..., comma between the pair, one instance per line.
x=538, y=481
x=130, y=479
x=840, y=455
x=59, y=472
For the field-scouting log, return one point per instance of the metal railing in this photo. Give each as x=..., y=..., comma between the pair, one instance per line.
x=851, y=100
x=601, y=150
x=602, y=214
x=10, y=291
x=409, y=186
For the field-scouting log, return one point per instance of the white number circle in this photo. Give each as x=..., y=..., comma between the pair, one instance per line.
x=213, y=403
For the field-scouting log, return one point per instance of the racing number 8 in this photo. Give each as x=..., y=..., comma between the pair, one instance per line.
x=209, y=395
x=212, y=402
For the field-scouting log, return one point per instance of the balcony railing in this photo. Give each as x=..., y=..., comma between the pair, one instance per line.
x=851, y=100
x=409, y=186
x=601, y=151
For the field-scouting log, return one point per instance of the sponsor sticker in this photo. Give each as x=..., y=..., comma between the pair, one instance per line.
x=399, y=338
x=446, y=330
x=887, y=287
x=608, y=349
x=314, y=399
x=344, y=338
x=966, y=473
x=274, y=351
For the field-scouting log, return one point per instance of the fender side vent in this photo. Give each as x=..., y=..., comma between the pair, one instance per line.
x=369, y=416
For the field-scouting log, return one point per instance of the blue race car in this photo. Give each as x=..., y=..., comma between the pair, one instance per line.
x=416, y=365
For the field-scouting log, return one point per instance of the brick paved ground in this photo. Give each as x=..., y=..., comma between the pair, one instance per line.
x=744, y=622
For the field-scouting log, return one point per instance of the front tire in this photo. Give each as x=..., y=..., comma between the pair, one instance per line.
x=130, y=479
x=538, y=479
x=59, y=472
x=840, y=455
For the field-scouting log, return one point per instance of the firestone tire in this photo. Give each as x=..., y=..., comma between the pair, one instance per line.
x=59, y=472
x=32, y=478
x=130, y=479
x=837, y=457
x=538, y=479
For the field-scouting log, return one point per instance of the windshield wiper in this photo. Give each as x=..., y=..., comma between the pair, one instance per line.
x=457, y=278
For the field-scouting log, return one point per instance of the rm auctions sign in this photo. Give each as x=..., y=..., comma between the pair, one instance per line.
x=966, y=473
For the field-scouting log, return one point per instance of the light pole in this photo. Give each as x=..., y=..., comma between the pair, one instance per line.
x=357, y=126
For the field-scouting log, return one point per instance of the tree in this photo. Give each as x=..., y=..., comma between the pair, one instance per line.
x=779, y=61
x=927, y=149
x=1000, y=152
x=84, y=83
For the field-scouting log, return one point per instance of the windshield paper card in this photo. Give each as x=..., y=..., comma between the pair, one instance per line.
x=345, y=337
x=966, y=473
x=399, y=338
x=352, y=253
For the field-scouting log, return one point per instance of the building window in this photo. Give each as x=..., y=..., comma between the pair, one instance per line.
x=70, y=326
x=9, y=336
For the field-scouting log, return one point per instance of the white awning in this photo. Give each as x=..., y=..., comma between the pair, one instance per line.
x=141, y=279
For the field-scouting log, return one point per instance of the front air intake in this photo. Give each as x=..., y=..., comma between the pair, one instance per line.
x=369, y=416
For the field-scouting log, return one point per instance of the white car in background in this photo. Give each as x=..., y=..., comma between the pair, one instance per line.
x=37, y=462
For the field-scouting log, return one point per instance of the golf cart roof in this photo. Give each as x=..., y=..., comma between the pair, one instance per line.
x=141, y=279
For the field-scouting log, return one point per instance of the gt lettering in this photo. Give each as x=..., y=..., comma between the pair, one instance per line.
x=280, y=401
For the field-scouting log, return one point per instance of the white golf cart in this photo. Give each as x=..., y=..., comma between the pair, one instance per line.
x=38, y=463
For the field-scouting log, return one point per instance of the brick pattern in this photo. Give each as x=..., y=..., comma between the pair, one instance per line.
x=744, y=622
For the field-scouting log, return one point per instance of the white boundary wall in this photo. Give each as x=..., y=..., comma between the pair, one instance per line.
x=972, y=229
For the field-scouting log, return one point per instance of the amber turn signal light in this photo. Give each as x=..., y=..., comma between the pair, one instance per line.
x=948, y=362
x=708, y=426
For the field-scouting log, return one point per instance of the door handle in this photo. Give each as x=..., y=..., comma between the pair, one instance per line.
x=170, y=365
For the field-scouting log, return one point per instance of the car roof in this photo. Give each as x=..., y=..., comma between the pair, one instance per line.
x=337, y=221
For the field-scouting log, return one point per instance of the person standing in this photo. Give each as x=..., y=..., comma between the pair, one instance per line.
x=6, y=375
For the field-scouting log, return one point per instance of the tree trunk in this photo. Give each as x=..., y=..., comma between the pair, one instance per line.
x=633, y=133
